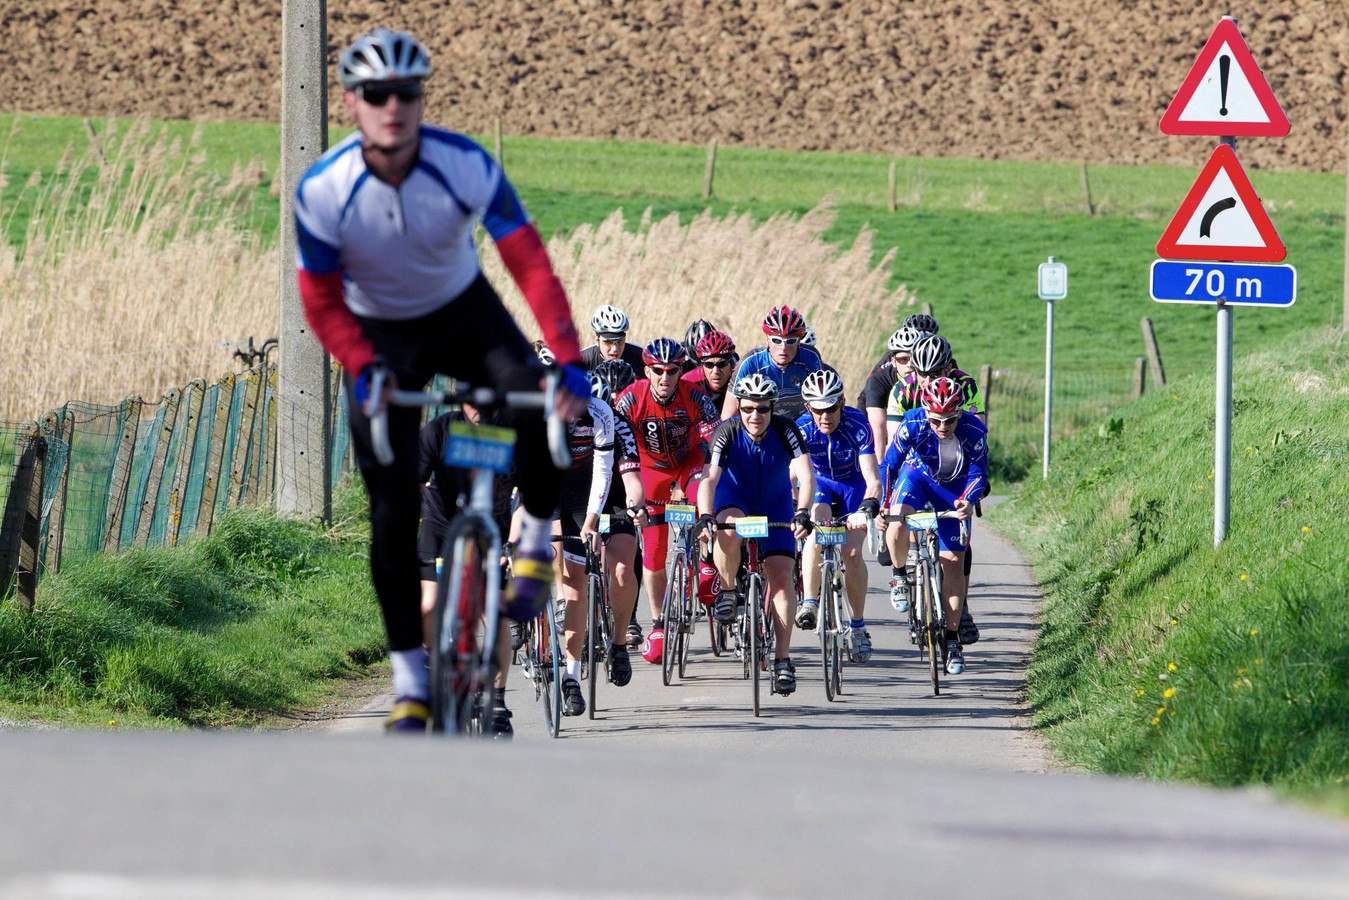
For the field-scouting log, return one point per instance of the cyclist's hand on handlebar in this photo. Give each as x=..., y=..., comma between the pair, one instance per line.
x=573, y=392
x=365, y=381
x=964, y=509
x=801, y=524
x=857, y=521
x=706, y=527
x=638, y=516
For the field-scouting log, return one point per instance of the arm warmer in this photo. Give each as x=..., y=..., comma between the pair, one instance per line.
x=525, y=257
x=334, y=324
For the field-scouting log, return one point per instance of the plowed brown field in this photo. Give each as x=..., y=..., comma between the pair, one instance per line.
x=1055, y=79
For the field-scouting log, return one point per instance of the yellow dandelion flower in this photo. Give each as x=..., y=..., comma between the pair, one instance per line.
x=112, y=721
x=1172, y=713
x=1241, y=671
x=1250, y=448
x=1175, y=622
x=1160, y=710
x=1169, y=693
x=1254, y=632
x=1157, y=721
x=1259, y=660
x=1243, y=576
x=1139, y=692
x=1306, y=528
x=1170, y=667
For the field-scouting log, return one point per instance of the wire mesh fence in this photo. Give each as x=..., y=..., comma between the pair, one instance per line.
x=88, y=478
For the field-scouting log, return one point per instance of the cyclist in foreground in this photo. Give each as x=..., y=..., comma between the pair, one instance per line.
x=670, y=419
x=753, y=460
x=389, y=277
x=847, y=481
x=939, y=456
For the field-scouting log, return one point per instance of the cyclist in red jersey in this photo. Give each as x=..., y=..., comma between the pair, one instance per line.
x=714, y=360
x=670, y=419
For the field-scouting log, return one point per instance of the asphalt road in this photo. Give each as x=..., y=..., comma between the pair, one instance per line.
x=671, y=791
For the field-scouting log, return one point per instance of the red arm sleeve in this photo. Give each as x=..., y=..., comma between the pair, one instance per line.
x=523, y=253
x=333, y=323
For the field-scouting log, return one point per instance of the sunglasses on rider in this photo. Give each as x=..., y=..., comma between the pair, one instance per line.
x=665, y=370
x=819, y=411
x=716, y=364
x=751, y=410
x=379, y=96
x=938, y=421
x=780, y=341
x=901, y=358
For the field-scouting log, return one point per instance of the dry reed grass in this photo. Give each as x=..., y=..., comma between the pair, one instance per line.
x=136, y=273
x=730, y=271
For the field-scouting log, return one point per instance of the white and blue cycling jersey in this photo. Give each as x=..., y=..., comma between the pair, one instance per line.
x=837, y=458
x=788, y=378
x=931, y=471
x=404, y=251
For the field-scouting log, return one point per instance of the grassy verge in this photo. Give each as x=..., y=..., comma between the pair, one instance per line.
x=1163, y=657
x=252, y=621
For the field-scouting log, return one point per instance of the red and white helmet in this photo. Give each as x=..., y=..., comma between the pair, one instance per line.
x=715, y=343
x=942, y=397
x=783, y=321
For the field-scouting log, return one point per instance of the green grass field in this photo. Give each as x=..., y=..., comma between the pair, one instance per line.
x=1162, y=656
x=969, y=233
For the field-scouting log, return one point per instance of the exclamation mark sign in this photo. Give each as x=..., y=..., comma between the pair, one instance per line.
x=1224, y=67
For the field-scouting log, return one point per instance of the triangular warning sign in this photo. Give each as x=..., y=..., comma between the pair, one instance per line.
x=1221, y=218
x=1225, y=93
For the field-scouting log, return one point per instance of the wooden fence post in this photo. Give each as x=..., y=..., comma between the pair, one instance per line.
x=243, y=442
x=119, y=485
x=267, y=467
x=1140, y=376
x=892, y=202
x=1086, y=190
x=711, y=168
x=19, y=537
x=187, y=448
x=159, y=457
x=985, y=385
x=1154, y=354
x=63, y=424
x=215, y=454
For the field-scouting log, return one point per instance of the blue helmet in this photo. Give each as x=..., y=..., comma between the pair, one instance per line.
x=664, y=352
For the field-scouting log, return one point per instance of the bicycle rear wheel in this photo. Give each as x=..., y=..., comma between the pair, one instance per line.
x=460, y=660
x=828, y=630
x=594, y=636
x=754, y=644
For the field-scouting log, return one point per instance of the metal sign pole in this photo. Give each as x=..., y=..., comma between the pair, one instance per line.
x=1049, y=376
x=1222, y=419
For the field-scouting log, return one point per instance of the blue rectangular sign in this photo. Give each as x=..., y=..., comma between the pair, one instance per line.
x=1236, y=284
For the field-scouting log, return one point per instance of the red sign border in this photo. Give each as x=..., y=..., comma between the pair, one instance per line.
x=1223, y=157
x=1227, y=31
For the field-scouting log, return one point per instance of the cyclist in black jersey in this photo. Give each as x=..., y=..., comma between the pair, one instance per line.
x=610, y=325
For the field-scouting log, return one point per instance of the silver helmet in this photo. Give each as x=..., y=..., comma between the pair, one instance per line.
x=902, y=341
x=609, y=320
x=822, y=389
x=931, y=355
x=755, y=387
x=383, y=55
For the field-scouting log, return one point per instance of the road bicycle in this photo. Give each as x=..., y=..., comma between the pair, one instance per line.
x=755, y=631
x=467, y=614
x=681, y=607
x=833, y=623
x=927, y=615
x=599, y=617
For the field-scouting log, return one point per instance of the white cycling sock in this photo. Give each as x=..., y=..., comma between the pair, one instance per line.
x=573, y=670
x=410, y=678
x=534, y=533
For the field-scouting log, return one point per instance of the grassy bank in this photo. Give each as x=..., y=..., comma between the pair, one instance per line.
x=232, y=629
x=1163, y=657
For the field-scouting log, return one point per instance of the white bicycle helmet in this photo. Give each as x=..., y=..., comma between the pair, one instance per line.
x=822, y=389
x=808, y=339
x=383, y=55
x=609, y=320
x=931, y=355
x=546, y=356
x=755, y=387
x=902, y=341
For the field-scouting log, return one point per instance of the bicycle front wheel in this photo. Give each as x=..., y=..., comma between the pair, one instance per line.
x=460, y=655
x=828, y=630
x=550, y=668
x=935, y=623
x=594, y=636
x=671, y=610
x=754, y=643
x=688, y=616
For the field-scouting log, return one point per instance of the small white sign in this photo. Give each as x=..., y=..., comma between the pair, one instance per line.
x=1053, y=280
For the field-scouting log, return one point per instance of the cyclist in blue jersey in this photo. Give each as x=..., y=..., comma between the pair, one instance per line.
x=390, y=280
x=753, y=460
x=847, y=483
x=784, y=362
x=939, y=456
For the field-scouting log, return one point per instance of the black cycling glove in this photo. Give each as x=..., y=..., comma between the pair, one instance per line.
x=704, y=522
x=871, y=507
x=802, y=520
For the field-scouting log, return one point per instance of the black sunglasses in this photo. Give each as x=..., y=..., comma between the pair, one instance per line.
x=378, y=96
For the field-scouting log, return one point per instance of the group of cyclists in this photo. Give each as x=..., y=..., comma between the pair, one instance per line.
x=391, y=283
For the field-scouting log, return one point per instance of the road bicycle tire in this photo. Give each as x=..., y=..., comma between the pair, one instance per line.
x=460, y=661
x=754, y=613
x=841, y=609
x=688, y=618
x=828, y=627
x=670, y=610
x=594, y=637
x=936, y=624
x=714, y=635
x=549, y=668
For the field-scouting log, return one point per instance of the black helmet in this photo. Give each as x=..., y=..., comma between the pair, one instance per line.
x=697, y=331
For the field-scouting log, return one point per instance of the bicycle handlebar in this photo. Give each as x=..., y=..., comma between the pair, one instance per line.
x=481, y=397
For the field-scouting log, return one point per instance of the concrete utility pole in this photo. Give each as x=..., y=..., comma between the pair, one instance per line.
x=304, y=408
